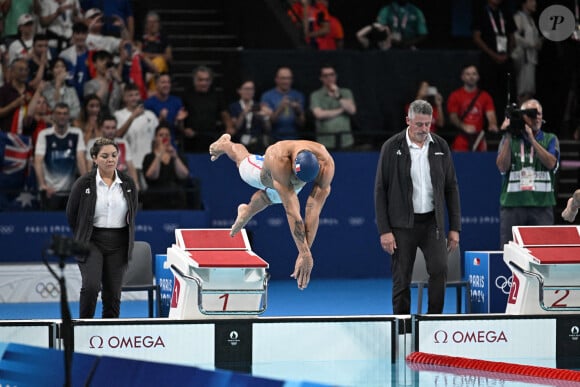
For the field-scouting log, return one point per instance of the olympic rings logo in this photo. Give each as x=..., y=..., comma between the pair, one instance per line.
x=47, y=290
x=504, y=284
x=6, y=229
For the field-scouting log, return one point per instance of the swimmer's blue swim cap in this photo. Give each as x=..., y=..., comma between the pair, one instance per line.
x=306, y=166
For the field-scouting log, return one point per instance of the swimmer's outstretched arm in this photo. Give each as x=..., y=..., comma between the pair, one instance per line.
x=314, y=205
x=304, y=262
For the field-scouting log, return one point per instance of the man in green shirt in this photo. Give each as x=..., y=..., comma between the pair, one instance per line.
x=528, y=159
x=406, y=23
x=332, y=107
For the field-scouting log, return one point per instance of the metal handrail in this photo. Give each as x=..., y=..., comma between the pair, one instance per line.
x=200, y=292
x=543, y=288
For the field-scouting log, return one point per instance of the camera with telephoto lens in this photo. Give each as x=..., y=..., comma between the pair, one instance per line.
x=64, y=246
x=517, y=125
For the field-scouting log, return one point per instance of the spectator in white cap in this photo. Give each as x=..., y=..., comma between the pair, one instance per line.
x=22, y=46
x=115, y=11
x=96, y=40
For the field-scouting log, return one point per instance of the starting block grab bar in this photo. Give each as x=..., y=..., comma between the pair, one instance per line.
x=263, y=291
x=542, y=288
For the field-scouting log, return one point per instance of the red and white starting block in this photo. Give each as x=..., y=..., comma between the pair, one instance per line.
x=216, y=275
x=545, y=264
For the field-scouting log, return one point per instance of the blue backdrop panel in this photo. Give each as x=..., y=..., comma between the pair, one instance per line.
x=490, y=280
x=23, y=235
x=479, y=189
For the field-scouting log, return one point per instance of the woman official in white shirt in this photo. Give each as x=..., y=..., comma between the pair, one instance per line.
x=101, y=211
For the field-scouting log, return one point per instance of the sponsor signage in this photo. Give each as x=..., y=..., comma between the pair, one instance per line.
x=490, y=280
x=233, y=345
x=182, y=344
x=164, y=278
x=33, y=283
x=568, y=336
x=511, y=340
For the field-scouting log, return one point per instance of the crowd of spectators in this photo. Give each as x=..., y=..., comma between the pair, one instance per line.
x=73, y=54
x=73, y=71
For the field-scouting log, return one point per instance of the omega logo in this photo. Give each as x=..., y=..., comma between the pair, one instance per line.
x=462, y=337
x=118, y=342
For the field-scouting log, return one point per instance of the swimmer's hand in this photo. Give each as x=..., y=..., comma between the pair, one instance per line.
x=302, y=270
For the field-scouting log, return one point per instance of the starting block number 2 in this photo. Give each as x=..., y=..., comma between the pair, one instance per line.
x=563, y=297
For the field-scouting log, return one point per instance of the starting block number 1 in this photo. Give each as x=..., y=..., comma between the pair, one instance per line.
x=225, y=298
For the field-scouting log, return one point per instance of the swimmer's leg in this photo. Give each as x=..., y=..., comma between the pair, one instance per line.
x=236, y=152
x=258, y=202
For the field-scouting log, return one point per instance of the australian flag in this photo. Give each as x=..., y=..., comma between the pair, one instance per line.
x=16, y=177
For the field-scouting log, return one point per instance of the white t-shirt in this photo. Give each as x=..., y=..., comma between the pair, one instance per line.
x=62, y=25
x=19, y=50
x=60, y=151
x=140, y=134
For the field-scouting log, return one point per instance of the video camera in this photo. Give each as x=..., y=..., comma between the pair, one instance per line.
x=517, y=127
x=64, y=246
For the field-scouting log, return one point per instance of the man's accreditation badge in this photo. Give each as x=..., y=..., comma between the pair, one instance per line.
x=501, y=44
x=527, y=179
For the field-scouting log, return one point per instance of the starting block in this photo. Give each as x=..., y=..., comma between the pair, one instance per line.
x=545, y=264
x=216, y=275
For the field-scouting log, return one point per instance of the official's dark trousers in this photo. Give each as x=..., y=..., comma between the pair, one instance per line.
x=431, y=241
x=103, y=270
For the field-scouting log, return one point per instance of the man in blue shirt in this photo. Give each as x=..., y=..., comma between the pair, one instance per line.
x=287, y=107
x=166, y=106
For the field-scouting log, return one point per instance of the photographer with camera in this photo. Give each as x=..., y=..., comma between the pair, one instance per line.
x=528, y=158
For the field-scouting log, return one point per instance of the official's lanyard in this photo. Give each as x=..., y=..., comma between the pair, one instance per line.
x=522, y=155
x=493, y=25
x=403, y=22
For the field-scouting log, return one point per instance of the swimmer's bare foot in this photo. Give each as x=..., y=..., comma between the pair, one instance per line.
x=576, y=197
x=242, y=219
x=216, y=149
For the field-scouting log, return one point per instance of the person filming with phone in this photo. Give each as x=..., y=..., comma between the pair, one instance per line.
x=429, y=93
x=166, y=173
x=528, y=159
